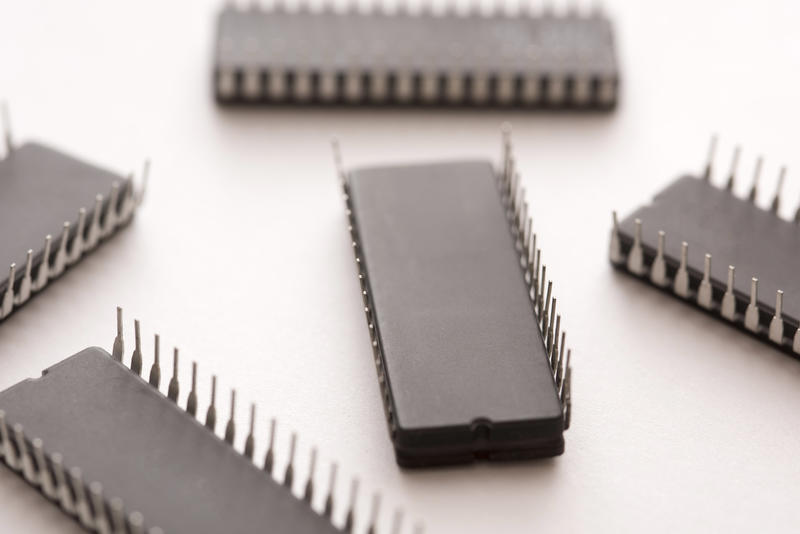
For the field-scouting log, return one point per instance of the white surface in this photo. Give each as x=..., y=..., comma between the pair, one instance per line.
x=240, y=256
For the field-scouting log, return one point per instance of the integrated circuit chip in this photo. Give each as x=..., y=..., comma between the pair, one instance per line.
x=751, y=282
x=466, y=338
x=328, y=57
x=53, y=210
x=118, y=456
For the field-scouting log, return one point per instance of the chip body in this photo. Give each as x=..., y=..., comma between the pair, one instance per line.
x=378, y=58
x=119, y=456
x=53, y=209
x=719, y=252
x=470, y=365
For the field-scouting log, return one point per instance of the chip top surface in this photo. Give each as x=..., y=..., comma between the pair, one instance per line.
x=734, y=231
x=448, y=43
x=455, y=321
x=146, y=450
x=40, y=188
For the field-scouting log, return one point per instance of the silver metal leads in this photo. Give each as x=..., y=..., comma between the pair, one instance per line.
x=728, y=306
x=191, y=399
x=776, y=200
x=704, y=292
x=615, y=249
x=756, y=175
x=751, y=319
x=136, y=357
x=155, y=369
x=119, y=344
x=734, y=165
x=174, y=386
x=349, y=519
x=328, y=510
x=60, y=261
x=7, y=303
x=776, y=324
x=269, y=458
x=308, y=492
x=373, y=516
x=288, y=475
x=26, y=283
x=43, y=274
x=211, y=413
x=712, y=149
x=658, y=271
x=681, y=283
x=5, y=117
x=636, y=255
x=230, y=428
x=250, y=441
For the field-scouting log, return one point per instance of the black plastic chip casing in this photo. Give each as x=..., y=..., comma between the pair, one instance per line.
x=470, y=362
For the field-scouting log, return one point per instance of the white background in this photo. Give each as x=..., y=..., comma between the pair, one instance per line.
x=240, y=256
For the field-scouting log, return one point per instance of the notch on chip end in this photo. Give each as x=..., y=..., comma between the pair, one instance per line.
x=465, y=332
x=696, y=256
x=157, y=468
x=54, y=209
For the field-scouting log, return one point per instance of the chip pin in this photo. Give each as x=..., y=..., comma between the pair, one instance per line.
x=23, y=458
x=712, y=149
x=535, y=280
x=155, y=369
x=548, y=342
x=751, y=314
x=211, y=413
x=45, y=479
x=636, y=256
x=6, y=451
x=559, y=371
x=136, y=357
x=704, y=292
x=136, y=523
x=117, y=516
x=100, y=522
x=376, y=505
x=94, y=228
x=6, y=118
x=531, y=250
x=349, y=520
x=250, y=441
x=288, y=475
x=728, y=307
x=79, y=491
x=110, y=219
x=76, y=251
x=756, y=175
x=26, y=282
x=328, y=511
x=308, y=493
x=541, y=308
x=191, y=399
x=734, y=165
x=8, y=298
x=60, y=261
x=776, y=200
x=776, y=324
x=681, y=283
x=128, y=201
x=230, y=428
x=658, y=271
x=545, y=321
x=42, y=274
x=269, y=459
x=397, y=522
x=174, y=386
x=143, y=189
x=64, y=494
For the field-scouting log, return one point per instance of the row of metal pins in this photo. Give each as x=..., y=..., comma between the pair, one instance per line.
x=355, y=86
x=66, y=486
x=362, y=278
x=680, y=285
x=118, y=351
x=498, y=8
x=730, y=181
x=549, y=321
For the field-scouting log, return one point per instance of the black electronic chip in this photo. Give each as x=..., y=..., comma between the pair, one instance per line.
x=53, y=210
x=357, y=57
x=466, y=338
x=751, y=282
x=156, y=468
